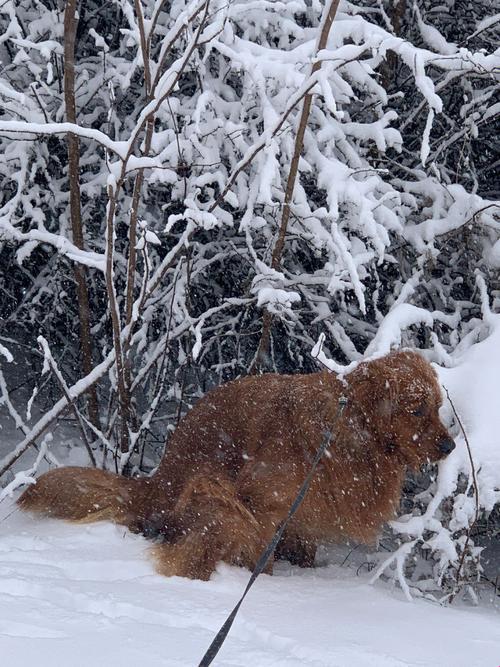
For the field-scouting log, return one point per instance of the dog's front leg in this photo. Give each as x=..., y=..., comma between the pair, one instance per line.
x=268, y=492
x=297, y=550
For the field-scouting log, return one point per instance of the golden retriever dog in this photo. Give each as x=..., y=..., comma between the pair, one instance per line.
x=237, y=459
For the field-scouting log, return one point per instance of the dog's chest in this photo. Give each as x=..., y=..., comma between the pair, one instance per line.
x=350, y=505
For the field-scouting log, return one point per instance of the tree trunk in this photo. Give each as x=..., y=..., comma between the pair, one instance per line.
x=70, y=26
x=396, y=16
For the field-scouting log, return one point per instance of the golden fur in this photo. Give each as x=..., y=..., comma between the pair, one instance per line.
x=237, y=459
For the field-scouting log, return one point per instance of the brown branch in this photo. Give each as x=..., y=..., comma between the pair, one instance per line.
x=149, y=122
x=138, y=184
x=123, y=394
x=476, y=496
x=159, y=101
x=79, y=271
x=139, y=179
x=267, y=319
x=64, y=387
x=145, y=46
x=397, y=13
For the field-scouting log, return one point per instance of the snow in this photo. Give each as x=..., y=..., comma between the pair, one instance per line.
x=433, y=37
x=35, y=236
x=473, y=385
x=18, y=127
x=425, y=149
x=87, y=596
x=5, y=352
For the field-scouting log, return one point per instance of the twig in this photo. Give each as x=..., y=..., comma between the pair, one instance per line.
x=59, y=408
x=53, y=366
x=476, y=495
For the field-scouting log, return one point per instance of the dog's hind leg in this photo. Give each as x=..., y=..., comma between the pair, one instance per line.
x=215, y=526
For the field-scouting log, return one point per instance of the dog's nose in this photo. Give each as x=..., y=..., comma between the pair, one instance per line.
x=446, y=446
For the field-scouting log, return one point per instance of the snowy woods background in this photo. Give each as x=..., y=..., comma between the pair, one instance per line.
x=160, y=233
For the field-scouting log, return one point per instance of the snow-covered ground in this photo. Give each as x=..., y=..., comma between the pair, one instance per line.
x=87, y=596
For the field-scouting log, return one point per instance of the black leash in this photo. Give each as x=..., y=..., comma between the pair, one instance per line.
x=220, y=637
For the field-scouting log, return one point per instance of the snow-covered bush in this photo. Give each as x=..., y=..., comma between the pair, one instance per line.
x=153, y=187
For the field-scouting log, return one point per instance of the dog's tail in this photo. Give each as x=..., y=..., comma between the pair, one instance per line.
x=85, y=495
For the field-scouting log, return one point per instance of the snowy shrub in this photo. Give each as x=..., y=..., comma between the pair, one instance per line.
x=149, y=237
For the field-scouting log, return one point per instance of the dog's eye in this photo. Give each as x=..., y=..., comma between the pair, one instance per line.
x=419, y=412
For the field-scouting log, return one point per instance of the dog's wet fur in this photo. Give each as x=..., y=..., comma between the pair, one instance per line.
x=237, y=459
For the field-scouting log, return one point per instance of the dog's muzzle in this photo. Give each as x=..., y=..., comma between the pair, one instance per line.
x=446, y=446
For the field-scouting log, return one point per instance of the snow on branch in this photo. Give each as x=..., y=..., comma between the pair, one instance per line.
x=13, y=127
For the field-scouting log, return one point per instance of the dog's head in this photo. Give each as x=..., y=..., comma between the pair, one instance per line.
x=399, y=398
